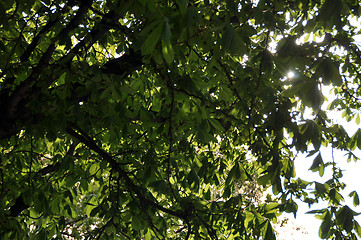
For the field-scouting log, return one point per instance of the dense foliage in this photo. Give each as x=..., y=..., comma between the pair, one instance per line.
x=154, y=119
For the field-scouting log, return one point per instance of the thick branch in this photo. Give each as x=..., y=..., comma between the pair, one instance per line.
x=34, y=43
x=85, y=139
x=123, y=65
x=44, y=60
x=95, y=34
x=12, y=105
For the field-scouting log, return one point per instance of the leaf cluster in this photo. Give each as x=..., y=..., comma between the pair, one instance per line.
x=169, y=119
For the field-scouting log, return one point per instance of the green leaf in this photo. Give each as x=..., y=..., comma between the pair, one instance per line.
x=227, y=191
x=166, y=35
x=334, y=104
x=149, y=45
x=330, y=72
x=238, y=172
x=344, y=217
x=230, y=176
x=93, y=168
x=148, y=235
x=269, y=232
x=137, y=222
x=325, y=227
x=168, y=52
x=357, y=228
x=272, y=207
x=231, y=42
x=182, y=6
x=61, y=79
x=215, y=123
x=316, y=211
x=159, y=186
x=161, y=119
x=264, y=179
x=335, y=196
x=355, y=198
x=321, y=189
x=318, y=165
x=357, y=119
x=193, y=179
x=89, y=209
x=291, y=207
x=249, y=218
x=95, y=211
x=4, y=21
x=357, y=138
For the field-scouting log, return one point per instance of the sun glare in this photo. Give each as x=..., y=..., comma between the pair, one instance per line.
x=290, y=74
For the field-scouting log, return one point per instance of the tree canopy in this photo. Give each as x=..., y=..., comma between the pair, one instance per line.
x=154, y=119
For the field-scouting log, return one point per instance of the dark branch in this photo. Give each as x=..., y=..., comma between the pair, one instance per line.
x=12, y=106
x=123, y=65
x=85, y=139
x=31, y=47
x=20, y=205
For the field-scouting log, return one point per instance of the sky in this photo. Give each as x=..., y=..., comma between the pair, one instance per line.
x=351, y=172
x=351, y=177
